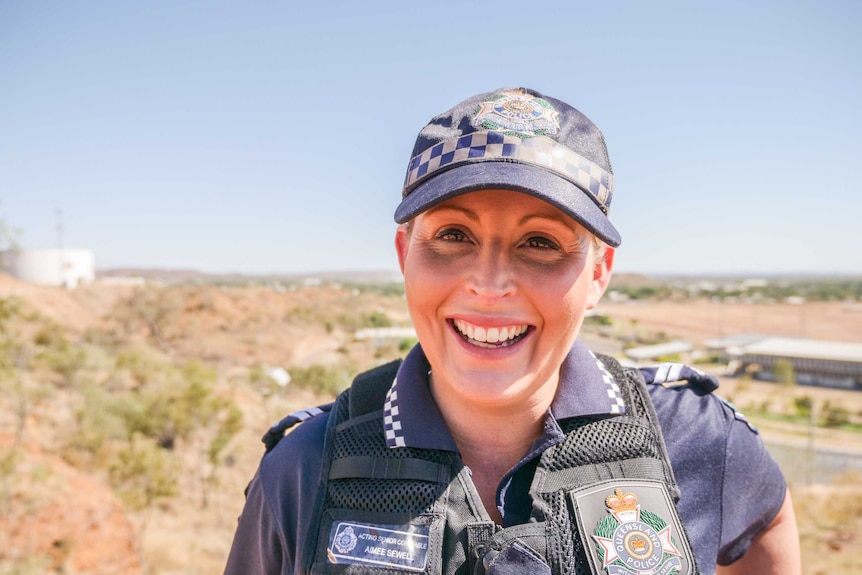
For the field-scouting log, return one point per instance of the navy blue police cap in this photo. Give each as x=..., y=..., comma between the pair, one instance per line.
x=514, y=139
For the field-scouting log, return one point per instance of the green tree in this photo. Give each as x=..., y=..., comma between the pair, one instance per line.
x=142, y=473
x=784, y=372
x=835, y=415
x=803, y=405
x=58, y=354
x=377, y=319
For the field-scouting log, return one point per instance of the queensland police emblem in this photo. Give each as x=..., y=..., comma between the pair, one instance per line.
x=517, y=114
x=634, y=541
x=345, y=541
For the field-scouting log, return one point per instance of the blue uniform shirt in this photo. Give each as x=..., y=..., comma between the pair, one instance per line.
x=731, y=488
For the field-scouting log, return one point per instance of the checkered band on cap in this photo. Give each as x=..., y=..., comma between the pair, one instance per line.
x=489, y=146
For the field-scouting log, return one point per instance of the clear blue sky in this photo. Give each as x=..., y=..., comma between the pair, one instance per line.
x=273, y=136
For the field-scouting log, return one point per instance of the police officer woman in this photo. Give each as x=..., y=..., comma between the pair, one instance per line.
x=501, y=444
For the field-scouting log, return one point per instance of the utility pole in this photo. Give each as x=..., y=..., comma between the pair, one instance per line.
x=811, y=454
x=61, y=256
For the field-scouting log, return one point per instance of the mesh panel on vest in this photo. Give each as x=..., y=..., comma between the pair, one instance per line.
x=392, y=496
x=375, y=495
x=590, y=441
x=566, y=552
x=366, y=439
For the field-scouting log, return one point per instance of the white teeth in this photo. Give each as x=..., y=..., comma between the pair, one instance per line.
x=493, y=335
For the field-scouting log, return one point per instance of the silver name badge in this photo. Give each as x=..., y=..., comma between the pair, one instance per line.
x=402, y=546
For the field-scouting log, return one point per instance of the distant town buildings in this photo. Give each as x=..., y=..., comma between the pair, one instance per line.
x=383, y=333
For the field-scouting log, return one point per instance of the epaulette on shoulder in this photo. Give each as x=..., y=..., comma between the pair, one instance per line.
x=276, y=432
x=675, y=374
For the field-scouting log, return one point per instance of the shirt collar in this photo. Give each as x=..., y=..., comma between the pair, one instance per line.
x=586, y=388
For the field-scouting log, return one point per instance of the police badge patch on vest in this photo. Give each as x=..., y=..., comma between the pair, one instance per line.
x=404, y=547
x=632, y=528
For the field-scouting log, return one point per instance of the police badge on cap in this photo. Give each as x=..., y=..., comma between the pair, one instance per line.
x=517, y=114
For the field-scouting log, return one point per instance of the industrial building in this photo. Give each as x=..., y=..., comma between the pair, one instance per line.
x=722, y=346
x=66, y=268
x=815, y=362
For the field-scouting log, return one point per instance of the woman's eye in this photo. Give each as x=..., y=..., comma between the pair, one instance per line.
x=452, y=235
x=542, y=243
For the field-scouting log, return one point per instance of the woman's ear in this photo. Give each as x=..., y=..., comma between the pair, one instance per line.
x=602, y=268
x=402, y=243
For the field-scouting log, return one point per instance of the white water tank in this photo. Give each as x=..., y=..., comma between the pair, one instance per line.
x=67, y=268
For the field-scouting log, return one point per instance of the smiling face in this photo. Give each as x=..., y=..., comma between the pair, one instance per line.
x=497, y=285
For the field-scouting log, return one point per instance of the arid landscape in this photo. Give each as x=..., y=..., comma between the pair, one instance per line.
x=130, y=417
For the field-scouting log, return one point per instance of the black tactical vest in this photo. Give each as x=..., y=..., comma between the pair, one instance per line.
x=603, y=500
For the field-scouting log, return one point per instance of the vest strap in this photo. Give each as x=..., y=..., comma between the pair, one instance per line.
x=597, y=472
x=367, y=467
x=478, y=534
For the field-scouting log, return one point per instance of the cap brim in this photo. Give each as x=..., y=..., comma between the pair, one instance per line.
x=537, y=182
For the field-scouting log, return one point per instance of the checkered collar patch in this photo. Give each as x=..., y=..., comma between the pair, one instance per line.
x=617, y=405
x=410, y=414
x=392, y=418
x=586, y=387
x=491, y=146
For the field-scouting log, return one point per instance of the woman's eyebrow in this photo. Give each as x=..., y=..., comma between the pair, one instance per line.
x=469, y=213
x=552, y=217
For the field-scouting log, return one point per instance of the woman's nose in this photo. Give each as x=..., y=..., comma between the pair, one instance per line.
x=491, y=275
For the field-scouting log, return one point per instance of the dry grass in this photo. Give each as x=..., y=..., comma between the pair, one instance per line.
x=830, y=525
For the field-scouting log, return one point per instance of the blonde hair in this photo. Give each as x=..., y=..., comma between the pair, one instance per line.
x=600, y=249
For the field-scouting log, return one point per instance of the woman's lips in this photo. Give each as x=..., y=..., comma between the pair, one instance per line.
x=490, y=337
